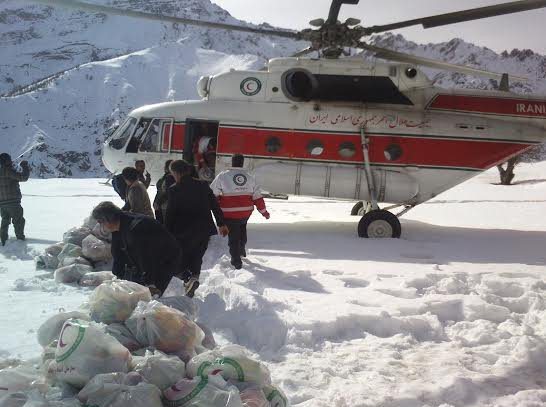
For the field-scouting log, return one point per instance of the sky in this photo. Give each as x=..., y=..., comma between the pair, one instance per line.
x=521, y=30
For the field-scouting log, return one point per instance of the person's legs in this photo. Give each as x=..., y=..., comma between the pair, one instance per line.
x=197, y=253
x=234, y=241
x=243, y=237
x=18, y=221
x=6, y=220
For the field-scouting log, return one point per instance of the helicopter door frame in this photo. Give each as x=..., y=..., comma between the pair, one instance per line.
x=189, y=137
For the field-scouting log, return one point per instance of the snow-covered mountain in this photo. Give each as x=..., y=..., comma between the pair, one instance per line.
x=67, y=76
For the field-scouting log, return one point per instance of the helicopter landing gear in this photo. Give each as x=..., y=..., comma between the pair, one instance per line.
x=356, y=208
x=378, y=224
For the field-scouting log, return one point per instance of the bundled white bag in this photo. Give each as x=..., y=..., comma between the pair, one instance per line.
x=120, y=390
x=114, y=301
x=85, y=351
x=68, y=261
x=208, y=341
x=275, y=396
x=69, y=250
x=76, y=235
x=46, y=261
x=164, y=328
x=21, y=378
x=183, y=304
x=72, y=273
x=101, y=233
x=95, y=278
x=55, y=249
x=160, y=369
x=96, y=249
x=50, y=330
x=207, y=391
x=253, y=396
x=123, y=335
x=233, y=362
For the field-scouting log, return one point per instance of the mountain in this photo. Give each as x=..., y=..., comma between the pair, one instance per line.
x=67, y=76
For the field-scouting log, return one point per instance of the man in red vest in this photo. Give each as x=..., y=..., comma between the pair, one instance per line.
x=237, y=194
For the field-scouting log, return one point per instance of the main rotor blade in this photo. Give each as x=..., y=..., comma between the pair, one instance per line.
x=96, y=8
x=431, y=63
x=461, y=16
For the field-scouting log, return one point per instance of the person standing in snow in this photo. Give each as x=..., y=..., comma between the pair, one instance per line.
x=237, y=194
x=137, y=200
x=143, y=250
x=140, y=166
x=163, y=185
x=11, y=210
x=188, y=218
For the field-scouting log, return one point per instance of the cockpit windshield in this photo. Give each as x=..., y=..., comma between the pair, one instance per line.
x=120, y=137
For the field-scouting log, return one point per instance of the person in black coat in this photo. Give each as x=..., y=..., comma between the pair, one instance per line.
x=188, y=218
x=163, y=184
x=143, y=250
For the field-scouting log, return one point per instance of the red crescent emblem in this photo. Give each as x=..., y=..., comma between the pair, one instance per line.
x=61, y=343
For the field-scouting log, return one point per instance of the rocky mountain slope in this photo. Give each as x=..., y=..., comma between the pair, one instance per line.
x=67, y=76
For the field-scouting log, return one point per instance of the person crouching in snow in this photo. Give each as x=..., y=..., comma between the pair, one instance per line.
x=10, y=197
x=143, y=250
x=189, y=204
x=237, y=194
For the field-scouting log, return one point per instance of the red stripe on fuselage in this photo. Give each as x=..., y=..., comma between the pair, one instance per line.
x=490, y=105
x=416, y=150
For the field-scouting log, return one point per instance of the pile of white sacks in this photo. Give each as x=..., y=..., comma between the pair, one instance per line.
x=83, y=257
x=126, y=349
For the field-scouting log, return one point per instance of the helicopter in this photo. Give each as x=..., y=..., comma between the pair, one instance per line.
x=335, y=126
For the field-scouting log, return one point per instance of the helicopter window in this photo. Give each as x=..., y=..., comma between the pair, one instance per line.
x=135, y=141
x=315, y=147
x=121, y=136
x=150, y=142
x=347, y=149
x=411, y=73
x=393, y=152
x=273, y=144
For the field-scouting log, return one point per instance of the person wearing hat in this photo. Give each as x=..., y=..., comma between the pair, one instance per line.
x=11, y=210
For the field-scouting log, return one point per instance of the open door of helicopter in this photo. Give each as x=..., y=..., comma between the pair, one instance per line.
x=201, y=141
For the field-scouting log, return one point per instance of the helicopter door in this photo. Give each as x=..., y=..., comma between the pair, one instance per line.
x=201, y=140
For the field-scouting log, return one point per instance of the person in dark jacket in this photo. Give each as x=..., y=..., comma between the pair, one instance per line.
x=140, y=166
x=11, y=210
x=137, y=200
x=143, y=250
x=160, y=201
x=188, y=218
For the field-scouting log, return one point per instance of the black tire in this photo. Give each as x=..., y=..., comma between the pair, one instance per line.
x=379, y=224
x=356, y=208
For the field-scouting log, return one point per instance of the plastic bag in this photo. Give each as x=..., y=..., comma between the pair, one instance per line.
x=232, y=362
x=55, y=249
x=120, y=390
x=208, y=341
x=96, y=249
x=114, y=301
x=71, y=274
x=68, y=261
x=184, y=304
x=46, y=261
x=208, y=391
x=69, y=250
x=253, y=396
x=76, y=235
x=275, y=396
x=99, y=232
x=160, y=369
x=50, y=330
x=95, y=278
x=164, y=328
x=85, y=351
x=123, y=335
x=21, y=378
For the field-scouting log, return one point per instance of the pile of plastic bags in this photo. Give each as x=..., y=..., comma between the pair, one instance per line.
x=83, y=253
x=124, y=349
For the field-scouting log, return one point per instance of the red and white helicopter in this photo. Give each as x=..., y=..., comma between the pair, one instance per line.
x=339, y=127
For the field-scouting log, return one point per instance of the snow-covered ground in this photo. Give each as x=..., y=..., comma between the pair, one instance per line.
x=451, y=314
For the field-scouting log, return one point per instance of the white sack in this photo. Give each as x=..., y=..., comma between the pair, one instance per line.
x=114, y=301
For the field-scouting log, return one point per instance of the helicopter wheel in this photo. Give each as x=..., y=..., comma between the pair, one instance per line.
x=379, y=224
x=357, y=206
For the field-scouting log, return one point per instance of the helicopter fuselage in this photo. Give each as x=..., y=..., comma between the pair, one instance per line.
x=300, y=134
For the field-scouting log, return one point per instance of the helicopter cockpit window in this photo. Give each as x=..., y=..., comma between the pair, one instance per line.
x=347, y=149
x=273, y=144
x=120, y=137
x=315, y=147
x=150, y=142
x=135, y=141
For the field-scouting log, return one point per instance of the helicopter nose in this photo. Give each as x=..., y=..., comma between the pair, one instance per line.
x=109, y=157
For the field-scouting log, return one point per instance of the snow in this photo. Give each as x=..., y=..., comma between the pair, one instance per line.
x=451, y=314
